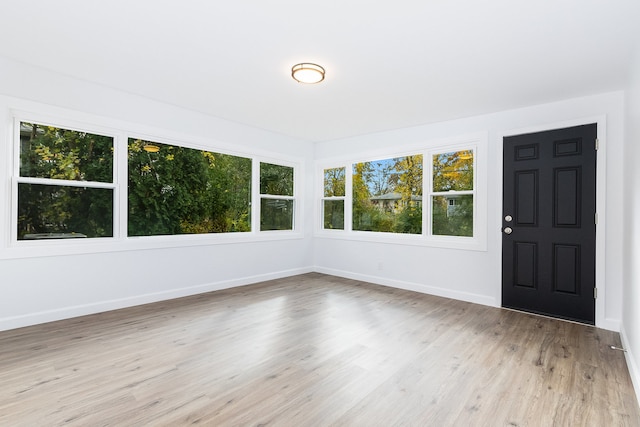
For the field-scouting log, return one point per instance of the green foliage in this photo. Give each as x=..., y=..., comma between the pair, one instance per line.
x=55, y=153
x=409, y=221
x=409, y=181
x=276, y=179
x=363, y=209
x=334, y=182
x=179, y=190
x=453, y=171
x=456, y=220
x=387, y=195
x=71, y=210
x=276, y=214
x=333, y=214
x=333, y=210
x=171, y=189
x=50, y=152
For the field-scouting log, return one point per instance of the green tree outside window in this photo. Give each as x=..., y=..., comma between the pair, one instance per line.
x=334, y=193
x=179, y=190
x=51, y=201
x=276, y=197
x=452, y=199
x=387, y=195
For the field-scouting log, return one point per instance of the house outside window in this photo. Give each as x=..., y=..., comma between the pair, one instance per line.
x=452, y=193
x=387, y=195
x=389, y=199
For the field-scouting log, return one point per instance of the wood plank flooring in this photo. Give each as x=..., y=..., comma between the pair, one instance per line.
x=314, y=350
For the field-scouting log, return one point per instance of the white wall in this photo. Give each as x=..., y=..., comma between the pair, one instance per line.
x=48, y=287
x=476, y=275
x=52, y=286
x=631, y=319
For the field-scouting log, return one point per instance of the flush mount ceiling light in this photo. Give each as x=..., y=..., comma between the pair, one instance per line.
x=307, y=73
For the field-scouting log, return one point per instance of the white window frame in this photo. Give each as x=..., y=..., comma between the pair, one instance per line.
x=192, y=146
x=259, y=196
x=429, y=194
x=476, y=142
x=16, y=110
x=17, y=179
x=338, y=198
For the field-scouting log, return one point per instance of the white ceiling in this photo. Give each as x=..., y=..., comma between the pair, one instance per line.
x=390, y=64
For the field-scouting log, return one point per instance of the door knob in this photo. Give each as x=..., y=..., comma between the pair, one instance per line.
x=508, y=230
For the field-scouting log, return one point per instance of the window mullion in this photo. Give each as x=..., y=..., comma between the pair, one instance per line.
x=64, y=182
x=348, y=203
x=427, y=187
x=255, y=195
x=275, y=196
x=452, y=192
x=121, y=179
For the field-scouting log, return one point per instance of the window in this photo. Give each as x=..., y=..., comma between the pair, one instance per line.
x=452, y=193
x=276, y=197
x=431, y=197
x=387, y=195
x=65, y=183
x=89, y=188
x=179, y=190
x=333, y=201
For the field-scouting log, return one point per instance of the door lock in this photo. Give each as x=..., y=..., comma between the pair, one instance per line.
x=508, y=218
x=508, y=230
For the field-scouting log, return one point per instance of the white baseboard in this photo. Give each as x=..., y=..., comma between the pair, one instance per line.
x=102, y=306
x=411, y=286
x=609, y=324
x=634, y=369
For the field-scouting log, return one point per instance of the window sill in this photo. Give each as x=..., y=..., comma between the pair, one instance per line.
x=443, y=242
x=64, y=247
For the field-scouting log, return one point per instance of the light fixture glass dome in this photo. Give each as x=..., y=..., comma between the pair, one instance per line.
x=307, y=73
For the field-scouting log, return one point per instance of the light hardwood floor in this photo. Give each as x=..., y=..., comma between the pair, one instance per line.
x=314, y=350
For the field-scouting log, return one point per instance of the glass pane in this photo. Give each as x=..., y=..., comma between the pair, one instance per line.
x=50, y=152
x=387, y=195
x=453, y=215
x=178, y=190
x=276, y=179
x=453, y=171
x=334, y=214
x=59, y=212
x=276, y=214
x=334, y=182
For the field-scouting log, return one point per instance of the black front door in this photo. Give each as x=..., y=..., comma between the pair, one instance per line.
x=549, y=232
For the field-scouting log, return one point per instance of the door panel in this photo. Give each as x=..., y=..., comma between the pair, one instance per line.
x=526, y=196
x=548, y=246
x=526, y=263
x=567, y=197
x=566, y=268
